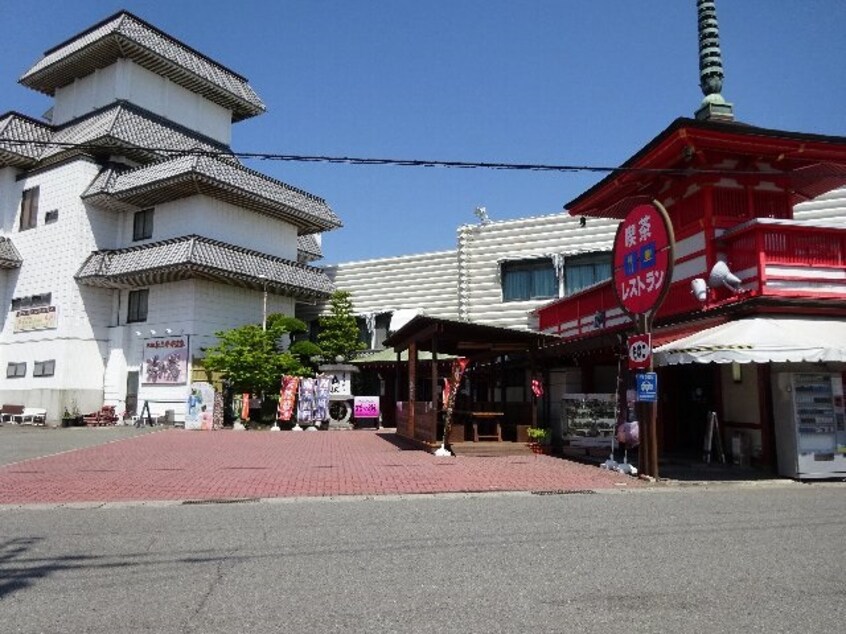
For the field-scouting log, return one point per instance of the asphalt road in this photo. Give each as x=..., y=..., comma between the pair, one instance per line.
x=753, y=558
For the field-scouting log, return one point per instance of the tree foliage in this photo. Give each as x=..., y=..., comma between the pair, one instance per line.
x=339, y=334
x=249, y=357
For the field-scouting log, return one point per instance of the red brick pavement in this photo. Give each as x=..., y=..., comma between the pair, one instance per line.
x=175, y=464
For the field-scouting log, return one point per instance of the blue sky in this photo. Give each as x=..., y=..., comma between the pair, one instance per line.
x=574, y=82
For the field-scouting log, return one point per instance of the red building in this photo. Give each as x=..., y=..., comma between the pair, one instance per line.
x=760, y=296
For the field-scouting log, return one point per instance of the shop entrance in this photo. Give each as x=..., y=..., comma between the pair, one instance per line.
x=689, y=394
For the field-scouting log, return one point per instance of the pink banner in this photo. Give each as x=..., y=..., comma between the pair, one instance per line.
x=287, y=397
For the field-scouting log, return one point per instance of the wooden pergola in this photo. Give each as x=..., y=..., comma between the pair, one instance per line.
x=480, y=343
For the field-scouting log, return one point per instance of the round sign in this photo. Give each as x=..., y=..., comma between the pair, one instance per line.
x=643, y=258
x=640, y=351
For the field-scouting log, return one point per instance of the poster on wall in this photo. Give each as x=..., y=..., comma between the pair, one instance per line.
x=40, y=318
x=589, y=419
x=165, y=361
x=199, y=407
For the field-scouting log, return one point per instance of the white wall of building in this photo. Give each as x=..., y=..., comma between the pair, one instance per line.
x=217, y=220
x=830, y=208
x=127, y=81
x=51, y=254
x=10, y=194
x=482, y=247
x=197, y=308
x=465, y=284
x=427, y=281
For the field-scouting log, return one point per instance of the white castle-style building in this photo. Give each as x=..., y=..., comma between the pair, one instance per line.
x=129, y=234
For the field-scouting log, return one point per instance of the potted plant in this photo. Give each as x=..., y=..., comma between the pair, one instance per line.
x=71, y=417
x=538, y=439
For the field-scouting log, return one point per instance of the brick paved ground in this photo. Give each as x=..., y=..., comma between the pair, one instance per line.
x=175, y=464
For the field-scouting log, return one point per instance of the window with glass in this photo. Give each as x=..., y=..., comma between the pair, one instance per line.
x=29, y=208
x=44, y=368
x=16, y=370
x=528, y=279
x=137, y=306
x=142, y=225
x=581, y=271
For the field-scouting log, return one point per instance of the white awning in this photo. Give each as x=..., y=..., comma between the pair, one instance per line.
x=760, y=340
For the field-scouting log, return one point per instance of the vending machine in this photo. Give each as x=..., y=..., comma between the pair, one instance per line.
x=810, y=424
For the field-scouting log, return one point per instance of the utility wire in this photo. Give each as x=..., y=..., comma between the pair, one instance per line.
x=353, y=160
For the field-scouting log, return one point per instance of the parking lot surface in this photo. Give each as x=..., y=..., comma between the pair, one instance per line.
x=48, y=466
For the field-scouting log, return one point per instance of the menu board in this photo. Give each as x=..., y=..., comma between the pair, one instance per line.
x=589, y=419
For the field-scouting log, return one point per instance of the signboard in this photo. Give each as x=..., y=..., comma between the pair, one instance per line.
x=643, y=250
x=366, y=407
x=588, y=419
x=647, y=387
x=165, y=361
x=640, y=351
x=199, y=407
x=39, y=318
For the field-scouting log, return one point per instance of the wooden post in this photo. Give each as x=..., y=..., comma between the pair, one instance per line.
x=434, y=375
x=412, y=386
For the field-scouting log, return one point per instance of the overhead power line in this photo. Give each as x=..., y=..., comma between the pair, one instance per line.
x=354, y=160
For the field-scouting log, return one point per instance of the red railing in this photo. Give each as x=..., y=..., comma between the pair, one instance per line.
x=816, y=255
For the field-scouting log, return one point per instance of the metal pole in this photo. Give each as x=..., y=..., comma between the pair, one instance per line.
x=264, y=310
x=263, y=302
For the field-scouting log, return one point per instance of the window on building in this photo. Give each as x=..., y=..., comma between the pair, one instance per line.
x=29, y=208
x=137, y=308
x=142, y=225
x=528, y=279
x=44, y=368
x=581, y=271
x=16, y=370
x=363, y=332
x=51, y=216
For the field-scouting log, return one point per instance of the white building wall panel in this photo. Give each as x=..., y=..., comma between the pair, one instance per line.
x=483, y=247
x=51, y=254
x=198, y=308
x=830, y=208
x=10, y=194
x=427, y=281
x=217, y=220
x=127, y=81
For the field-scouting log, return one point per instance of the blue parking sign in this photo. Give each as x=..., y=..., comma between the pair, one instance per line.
x=647, y=387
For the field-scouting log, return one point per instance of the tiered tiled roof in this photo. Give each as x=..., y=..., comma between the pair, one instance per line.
x=191, y=175
x=140, y=135
x=9, y=256
x=120, y=128
x=198, y=257
x=21, y=139
x=124, y=35
x=308, y=248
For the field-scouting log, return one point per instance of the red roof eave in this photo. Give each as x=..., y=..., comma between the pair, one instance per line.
x=614, y=196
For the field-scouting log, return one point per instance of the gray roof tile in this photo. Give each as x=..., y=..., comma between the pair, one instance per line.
x=21, y=139
x=195, y=256
x=9, y=256
x=308, y=248
x=140, y=134
x=127, y=36
x=190, y=175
